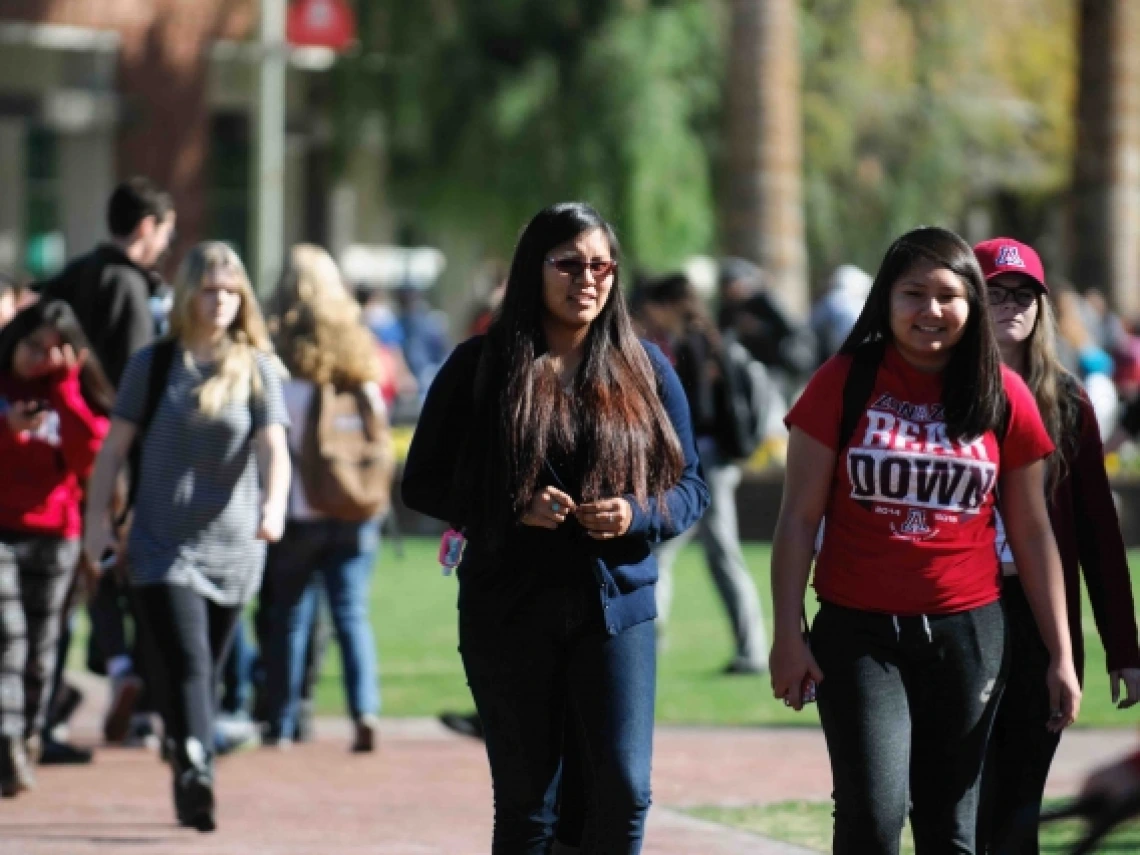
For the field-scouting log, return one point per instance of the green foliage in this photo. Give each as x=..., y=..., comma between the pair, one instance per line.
x=914, y=111
x=494, y=110
x=917, y=110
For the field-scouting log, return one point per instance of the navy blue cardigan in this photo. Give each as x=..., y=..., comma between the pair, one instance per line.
x=625, y=570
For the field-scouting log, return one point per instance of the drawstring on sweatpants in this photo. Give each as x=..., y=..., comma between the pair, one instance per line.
x=925, y=626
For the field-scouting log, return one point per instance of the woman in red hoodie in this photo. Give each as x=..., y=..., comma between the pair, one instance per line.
x=53, y=404
x=1088, y=537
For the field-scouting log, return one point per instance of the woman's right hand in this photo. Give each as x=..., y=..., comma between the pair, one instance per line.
x=1064, y=694
x=25, y=417
x=790, y=665
x=549, y=508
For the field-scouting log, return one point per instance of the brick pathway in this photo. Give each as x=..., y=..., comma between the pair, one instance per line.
x=425, y=792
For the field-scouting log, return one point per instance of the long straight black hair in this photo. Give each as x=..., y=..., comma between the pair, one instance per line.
x=629, y=445
x=973, y=394
x=93, y=383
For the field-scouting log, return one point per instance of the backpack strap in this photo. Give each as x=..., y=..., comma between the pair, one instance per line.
x=161, y=359
x=857, y=388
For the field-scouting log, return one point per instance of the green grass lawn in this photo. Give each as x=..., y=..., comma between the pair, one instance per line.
x=413, y=609
x=808, y=824
x=415, y=621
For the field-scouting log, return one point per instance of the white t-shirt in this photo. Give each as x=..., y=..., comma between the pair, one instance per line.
x=298, y=394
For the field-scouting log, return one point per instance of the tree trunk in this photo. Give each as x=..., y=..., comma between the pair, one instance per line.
x=763, y=197
x=1106, y=170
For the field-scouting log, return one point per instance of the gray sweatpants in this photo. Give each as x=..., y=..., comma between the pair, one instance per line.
x=720, y=538
x=35, y=573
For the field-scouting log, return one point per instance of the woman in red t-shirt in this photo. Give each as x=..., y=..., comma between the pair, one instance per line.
x=908, y=647
x=1088, y=538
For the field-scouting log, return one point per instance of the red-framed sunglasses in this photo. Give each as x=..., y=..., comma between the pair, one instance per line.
x=575, y=266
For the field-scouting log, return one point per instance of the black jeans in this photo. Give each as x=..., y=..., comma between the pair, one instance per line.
x=1021, y=748
x=906, y=705
x=553, y=661
x=189, y=636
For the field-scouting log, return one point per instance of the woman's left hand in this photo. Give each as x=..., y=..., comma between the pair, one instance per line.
x=1131, y=679
x=605, y=519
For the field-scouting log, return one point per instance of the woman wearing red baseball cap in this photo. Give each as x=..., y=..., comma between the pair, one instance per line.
x=1088, y=537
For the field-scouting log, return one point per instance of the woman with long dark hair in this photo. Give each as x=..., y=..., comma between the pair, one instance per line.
x=562, y=446
x=908, y=648
x=1088, y=536
x=54, y=403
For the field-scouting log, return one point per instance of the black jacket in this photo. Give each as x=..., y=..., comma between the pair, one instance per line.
x=110, y=295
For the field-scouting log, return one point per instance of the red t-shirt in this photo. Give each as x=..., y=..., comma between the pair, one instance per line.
x=909, y=521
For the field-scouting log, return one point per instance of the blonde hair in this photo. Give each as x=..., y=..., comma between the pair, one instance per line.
x=1056, y=391
x=237, y=377
x=316, y=323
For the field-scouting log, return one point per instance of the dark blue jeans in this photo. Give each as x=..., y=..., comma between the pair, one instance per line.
x=554, y=660
x=906, y=705
x=1021, y=748
x=341, y=555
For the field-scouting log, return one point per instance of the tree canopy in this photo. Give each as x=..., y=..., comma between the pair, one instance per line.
x=915, y=111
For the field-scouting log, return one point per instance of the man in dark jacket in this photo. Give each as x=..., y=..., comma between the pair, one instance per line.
x=110, y=288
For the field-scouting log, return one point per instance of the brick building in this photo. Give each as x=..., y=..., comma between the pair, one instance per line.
x=94, y=92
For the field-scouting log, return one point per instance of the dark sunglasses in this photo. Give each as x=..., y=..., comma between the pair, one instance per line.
x=573, y=265
x=1023, y=296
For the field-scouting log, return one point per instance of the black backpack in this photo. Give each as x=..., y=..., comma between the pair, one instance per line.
x=162, y=357
x=748, y=395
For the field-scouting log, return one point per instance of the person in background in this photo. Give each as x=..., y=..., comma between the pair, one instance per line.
x=197, y=542
x=835, y=313
x=698, y=354
x=1085, y=524
x=424, y=342
x=113, y=290
x=399, y=384
x=751, y=313
x=563, y=447
x=54, y=403
x=908, y=649
x=319, y=334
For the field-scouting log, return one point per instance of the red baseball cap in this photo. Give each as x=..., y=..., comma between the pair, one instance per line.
x=1006, y=255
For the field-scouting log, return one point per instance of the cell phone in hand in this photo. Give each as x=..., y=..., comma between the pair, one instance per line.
x=807, y=690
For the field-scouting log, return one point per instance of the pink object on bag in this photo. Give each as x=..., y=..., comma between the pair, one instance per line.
x=451, y=547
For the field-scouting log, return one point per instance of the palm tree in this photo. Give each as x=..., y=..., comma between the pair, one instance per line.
x=762, y=216
x=1106, y=168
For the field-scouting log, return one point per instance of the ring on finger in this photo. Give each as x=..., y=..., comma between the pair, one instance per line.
x=554, y=506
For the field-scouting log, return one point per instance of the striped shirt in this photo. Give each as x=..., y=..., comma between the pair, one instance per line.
x=198, y=505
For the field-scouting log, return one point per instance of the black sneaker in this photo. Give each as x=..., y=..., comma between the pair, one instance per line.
x=193, y=770
x=55, y=753
x=744, y=668
x=465, y=725
x=66, y=702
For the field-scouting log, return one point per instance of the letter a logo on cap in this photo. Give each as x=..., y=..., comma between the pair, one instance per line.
x=1009, y=256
